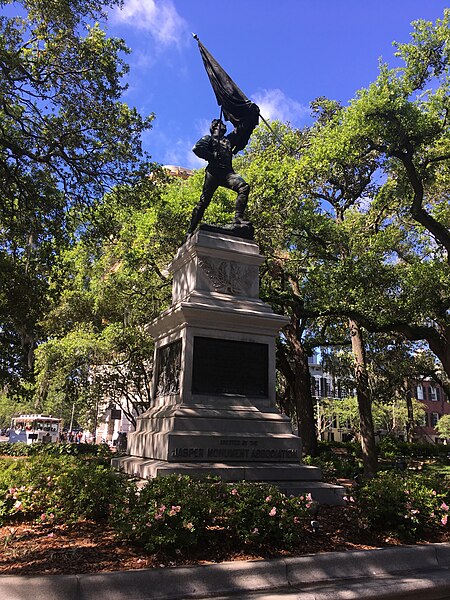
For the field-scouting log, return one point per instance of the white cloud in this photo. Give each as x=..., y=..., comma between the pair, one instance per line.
x=274, y=104
x=180, y=154
x=159, y=17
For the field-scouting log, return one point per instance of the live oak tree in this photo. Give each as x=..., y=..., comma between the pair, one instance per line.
x=402, y=120
x=106, y=288
x=65, y=138
x=399, y=284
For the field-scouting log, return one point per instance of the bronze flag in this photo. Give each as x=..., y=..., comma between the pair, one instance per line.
x=236, y=107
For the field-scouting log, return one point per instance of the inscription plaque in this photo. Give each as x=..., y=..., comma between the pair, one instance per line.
x=230, y=367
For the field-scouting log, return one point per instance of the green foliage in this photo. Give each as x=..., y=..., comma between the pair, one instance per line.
x=172, y=515
x=337, y=460
x=10, y=406
x=443, y=426
x=61, y=489
x=66, y=139
x=334, y=466
x=16, y=449
x=402, y=504
x=24, y=449
x=390, y=447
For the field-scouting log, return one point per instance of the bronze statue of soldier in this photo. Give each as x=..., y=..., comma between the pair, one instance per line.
x=218, y=150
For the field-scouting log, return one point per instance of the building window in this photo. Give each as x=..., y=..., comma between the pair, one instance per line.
x=434, y=418
x=419, y=392
x=433, y=395
x=315, y=387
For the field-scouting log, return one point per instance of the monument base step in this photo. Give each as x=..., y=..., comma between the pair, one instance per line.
x=291, y=478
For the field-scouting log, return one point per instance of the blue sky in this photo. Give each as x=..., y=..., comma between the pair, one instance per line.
x=281, y=53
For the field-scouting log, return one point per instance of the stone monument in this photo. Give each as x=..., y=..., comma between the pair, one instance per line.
x=213, y=390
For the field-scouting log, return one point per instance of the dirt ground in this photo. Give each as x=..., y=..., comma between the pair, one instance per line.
x=32, y=549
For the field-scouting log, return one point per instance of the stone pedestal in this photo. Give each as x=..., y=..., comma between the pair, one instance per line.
x=213, y=409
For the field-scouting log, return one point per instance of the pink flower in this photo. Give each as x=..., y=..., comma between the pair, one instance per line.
x=174, y=510
x=309, y=497
x=268, y=499
x=255, y=531
x=296, y=520
x=444, y=520
x=158, y=516
x=444, y=506
x=434, y=492
x=234, y=491
x=18, y=505
x=351, y=499
x=273, y=512
x=43, y=517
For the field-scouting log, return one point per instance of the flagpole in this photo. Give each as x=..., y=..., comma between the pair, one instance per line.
x=279, y=140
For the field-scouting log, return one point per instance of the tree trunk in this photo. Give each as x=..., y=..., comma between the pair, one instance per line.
x=410, y=411
x=304, y=405
x=368, y=446
x=296, y=372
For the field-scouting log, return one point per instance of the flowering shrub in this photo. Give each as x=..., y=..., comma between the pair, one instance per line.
x=63, y=489
x=403, y=504
x=172, y=514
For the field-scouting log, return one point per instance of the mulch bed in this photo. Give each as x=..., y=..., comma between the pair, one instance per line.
x=36, y=549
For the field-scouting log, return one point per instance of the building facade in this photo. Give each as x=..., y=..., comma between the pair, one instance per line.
x=325, y=387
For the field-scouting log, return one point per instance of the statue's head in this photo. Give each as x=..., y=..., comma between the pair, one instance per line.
x=217, y=127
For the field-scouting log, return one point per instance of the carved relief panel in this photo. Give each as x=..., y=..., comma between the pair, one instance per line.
x=168, y=368
x=229, y=277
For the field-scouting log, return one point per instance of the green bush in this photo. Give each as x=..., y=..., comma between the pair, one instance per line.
x=406, y=505
x=352, y=448
x=23, y=449
x=390, y=447
x=171, y=515
x=16, y=449
x=60, y=489
x=334, y=465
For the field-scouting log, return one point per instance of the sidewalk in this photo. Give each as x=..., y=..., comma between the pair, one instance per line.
x=413, y=572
